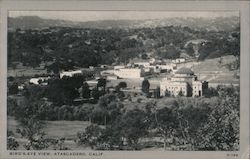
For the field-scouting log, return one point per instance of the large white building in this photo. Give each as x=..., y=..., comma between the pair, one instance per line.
x=179, y=60
x=184, y=82
x=70, y=73
x=132, y=73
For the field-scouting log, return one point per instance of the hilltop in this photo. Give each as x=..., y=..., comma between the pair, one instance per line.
x=216, y=24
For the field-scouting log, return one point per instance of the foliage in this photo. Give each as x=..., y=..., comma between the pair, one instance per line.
x=123, y=133
x=85, y=90
x=210, y=92
x=108, y=109
x=96, y=94
x=224, y=119
x=166, y=122
x=145, y=86
x=12, y=143
x=66, y=48
x=169, y=52
x=12, y=88
x=31, y=126
x=11, y=106
x=65, y=90
x=122, y=84
x=156, y=92
x=190, y=49
x=90, y=136
x=205, y=123
x=134, y=127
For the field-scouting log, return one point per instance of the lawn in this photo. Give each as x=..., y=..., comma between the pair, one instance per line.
x=25, y=71
x=55, y=129
x=213, y=71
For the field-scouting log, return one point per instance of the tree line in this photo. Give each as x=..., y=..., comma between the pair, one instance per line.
x=182, y=124
x=69, y=47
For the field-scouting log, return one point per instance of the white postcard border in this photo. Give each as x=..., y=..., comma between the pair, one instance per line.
x=242, y=6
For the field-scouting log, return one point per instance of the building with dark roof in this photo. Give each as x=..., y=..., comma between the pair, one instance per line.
x=184, y=71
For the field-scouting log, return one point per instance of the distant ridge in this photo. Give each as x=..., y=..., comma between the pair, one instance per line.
x=220, y=23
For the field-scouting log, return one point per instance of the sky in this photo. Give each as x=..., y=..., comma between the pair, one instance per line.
x=119, y=15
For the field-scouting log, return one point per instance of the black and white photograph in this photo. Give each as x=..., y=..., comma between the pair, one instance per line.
x=123, y=80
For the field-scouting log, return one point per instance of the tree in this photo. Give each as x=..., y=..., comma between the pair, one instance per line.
x=13, y=88
x=157, y=92
x=145, y=86
x=122, y=84
x=108, y=138
x=12, y=144
x=190, y=49
x=180, y=93
x=221, y=131
x=12, y=106
x=210, y=92
x=111, y=138
x=90, y=136
x=108, y=104
x=95, y=93
x=31, y=126
x=166, y=123
x=85, y=90
x=191, y=118
x=102, y=83
x=63, y=91
x=169, y=52
x=134, y=127
x=144, y=56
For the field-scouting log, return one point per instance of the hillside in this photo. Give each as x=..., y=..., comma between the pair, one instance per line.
x=216, y=24
x=69, y=47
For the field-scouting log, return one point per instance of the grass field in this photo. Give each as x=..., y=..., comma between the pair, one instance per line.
x=25, y=71
x=54, y=129
x=212, y=71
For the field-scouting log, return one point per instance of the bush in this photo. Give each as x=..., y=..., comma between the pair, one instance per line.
x=12, y=144
x=122, y=84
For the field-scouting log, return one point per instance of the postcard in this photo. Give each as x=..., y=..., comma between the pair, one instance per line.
x=124, y=79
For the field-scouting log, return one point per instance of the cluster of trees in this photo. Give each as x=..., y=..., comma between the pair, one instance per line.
x=31, y=128
x=145, y=89
x=180, y=124
x=188, y=124
x=57, y=99
x=68, y=47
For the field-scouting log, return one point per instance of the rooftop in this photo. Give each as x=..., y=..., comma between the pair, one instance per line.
x=184, y=70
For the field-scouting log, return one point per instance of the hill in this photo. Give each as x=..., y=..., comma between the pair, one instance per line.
x=69, y=46
x=220, y=23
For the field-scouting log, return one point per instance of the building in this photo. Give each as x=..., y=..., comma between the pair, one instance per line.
x=172, y=88
x=199, y=87
x=119, y=67
x=142, y=63
x=70, y=73
x=107, y=72
x=39, y=80
x=167, y=67
x=92, y=84
x=184, y=82
x=111, y=77
x=179, y=60
x=131, y=73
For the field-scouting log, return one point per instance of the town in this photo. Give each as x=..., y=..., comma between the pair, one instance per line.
x=171, y=87
x=180, y=81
